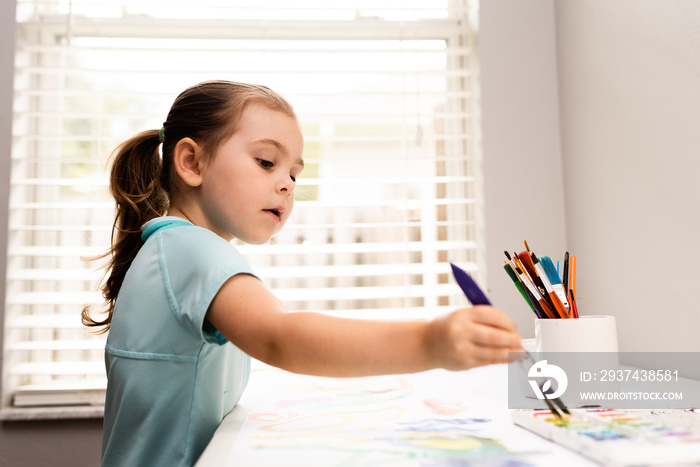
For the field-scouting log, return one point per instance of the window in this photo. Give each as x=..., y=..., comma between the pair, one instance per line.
x=388, y=102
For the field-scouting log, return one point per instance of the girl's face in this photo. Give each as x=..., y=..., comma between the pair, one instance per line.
x=247, y=189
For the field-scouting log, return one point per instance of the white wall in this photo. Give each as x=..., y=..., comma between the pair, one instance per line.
x=628, y=97
x=523, y=183
x=630, y=115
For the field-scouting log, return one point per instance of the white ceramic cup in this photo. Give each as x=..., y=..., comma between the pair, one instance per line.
x=594, y=333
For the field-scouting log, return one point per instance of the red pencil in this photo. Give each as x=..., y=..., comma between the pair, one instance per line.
x=572, y=300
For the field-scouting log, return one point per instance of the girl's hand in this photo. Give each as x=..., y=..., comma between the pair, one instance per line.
x=471, y=337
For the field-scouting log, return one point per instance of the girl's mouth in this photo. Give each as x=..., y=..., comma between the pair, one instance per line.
x=276, y=212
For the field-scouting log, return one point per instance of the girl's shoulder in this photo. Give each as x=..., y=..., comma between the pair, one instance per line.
x=162, y=223
x=181, y=243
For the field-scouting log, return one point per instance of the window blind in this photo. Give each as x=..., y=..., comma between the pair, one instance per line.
x=388, y=102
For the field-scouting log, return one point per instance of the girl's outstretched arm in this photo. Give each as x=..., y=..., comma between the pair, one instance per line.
x=247, y=313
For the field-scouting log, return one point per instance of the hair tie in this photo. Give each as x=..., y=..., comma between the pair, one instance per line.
x=161, y=135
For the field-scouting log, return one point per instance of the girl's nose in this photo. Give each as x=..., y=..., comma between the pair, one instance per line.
x=286, y=185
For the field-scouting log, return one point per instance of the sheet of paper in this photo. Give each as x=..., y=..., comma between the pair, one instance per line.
x=436, y=418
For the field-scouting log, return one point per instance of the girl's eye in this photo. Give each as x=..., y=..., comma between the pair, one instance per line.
x=265, y=164
x=294, y=179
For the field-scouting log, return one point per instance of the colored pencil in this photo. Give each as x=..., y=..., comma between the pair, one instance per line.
x=574, y=308
x=572, y=273
x=521, y=288
x=565, y=272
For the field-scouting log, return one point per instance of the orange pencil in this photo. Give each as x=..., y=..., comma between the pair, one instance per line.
x=572, y=274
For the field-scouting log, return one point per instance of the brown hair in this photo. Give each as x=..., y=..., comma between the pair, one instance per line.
x=141, y=182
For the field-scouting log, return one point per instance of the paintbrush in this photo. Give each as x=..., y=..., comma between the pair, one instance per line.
x=553, y=298
x=565, y=272
x=477, y=297
x=527, y=295
x=551, y=272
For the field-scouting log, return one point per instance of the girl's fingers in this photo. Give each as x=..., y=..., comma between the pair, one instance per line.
x=492, y=317
x=488, y=336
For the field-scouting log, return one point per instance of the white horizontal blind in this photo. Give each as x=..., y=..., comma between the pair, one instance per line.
x=387, y=98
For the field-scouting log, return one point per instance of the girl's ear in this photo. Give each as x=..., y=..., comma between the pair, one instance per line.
x=188, y=161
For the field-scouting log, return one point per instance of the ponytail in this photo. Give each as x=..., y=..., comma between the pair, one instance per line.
x=135, y=184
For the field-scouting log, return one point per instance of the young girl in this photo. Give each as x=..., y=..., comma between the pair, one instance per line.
x=186, y=313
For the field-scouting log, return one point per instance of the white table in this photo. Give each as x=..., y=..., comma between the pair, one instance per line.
x=280, y=421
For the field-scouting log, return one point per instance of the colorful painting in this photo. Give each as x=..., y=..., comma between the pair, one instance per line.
x=622, y=437
x=389, y=420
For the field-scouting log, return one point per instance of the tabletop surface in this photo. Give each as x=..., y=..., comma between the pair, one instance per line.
x=426, y=419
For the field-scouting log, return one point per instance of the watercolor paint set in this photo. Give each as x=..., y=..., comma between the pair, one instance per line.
x=621, y=437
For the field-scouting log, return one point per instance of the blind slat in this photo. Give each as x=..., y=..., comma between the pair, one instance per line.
x=419, y=181
x=58, y=368
x=290, y=294
x=276, y=272
x=84, y=344
x=275, y=249
x=231, y=29
x=55, y=275
x=315, y=227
